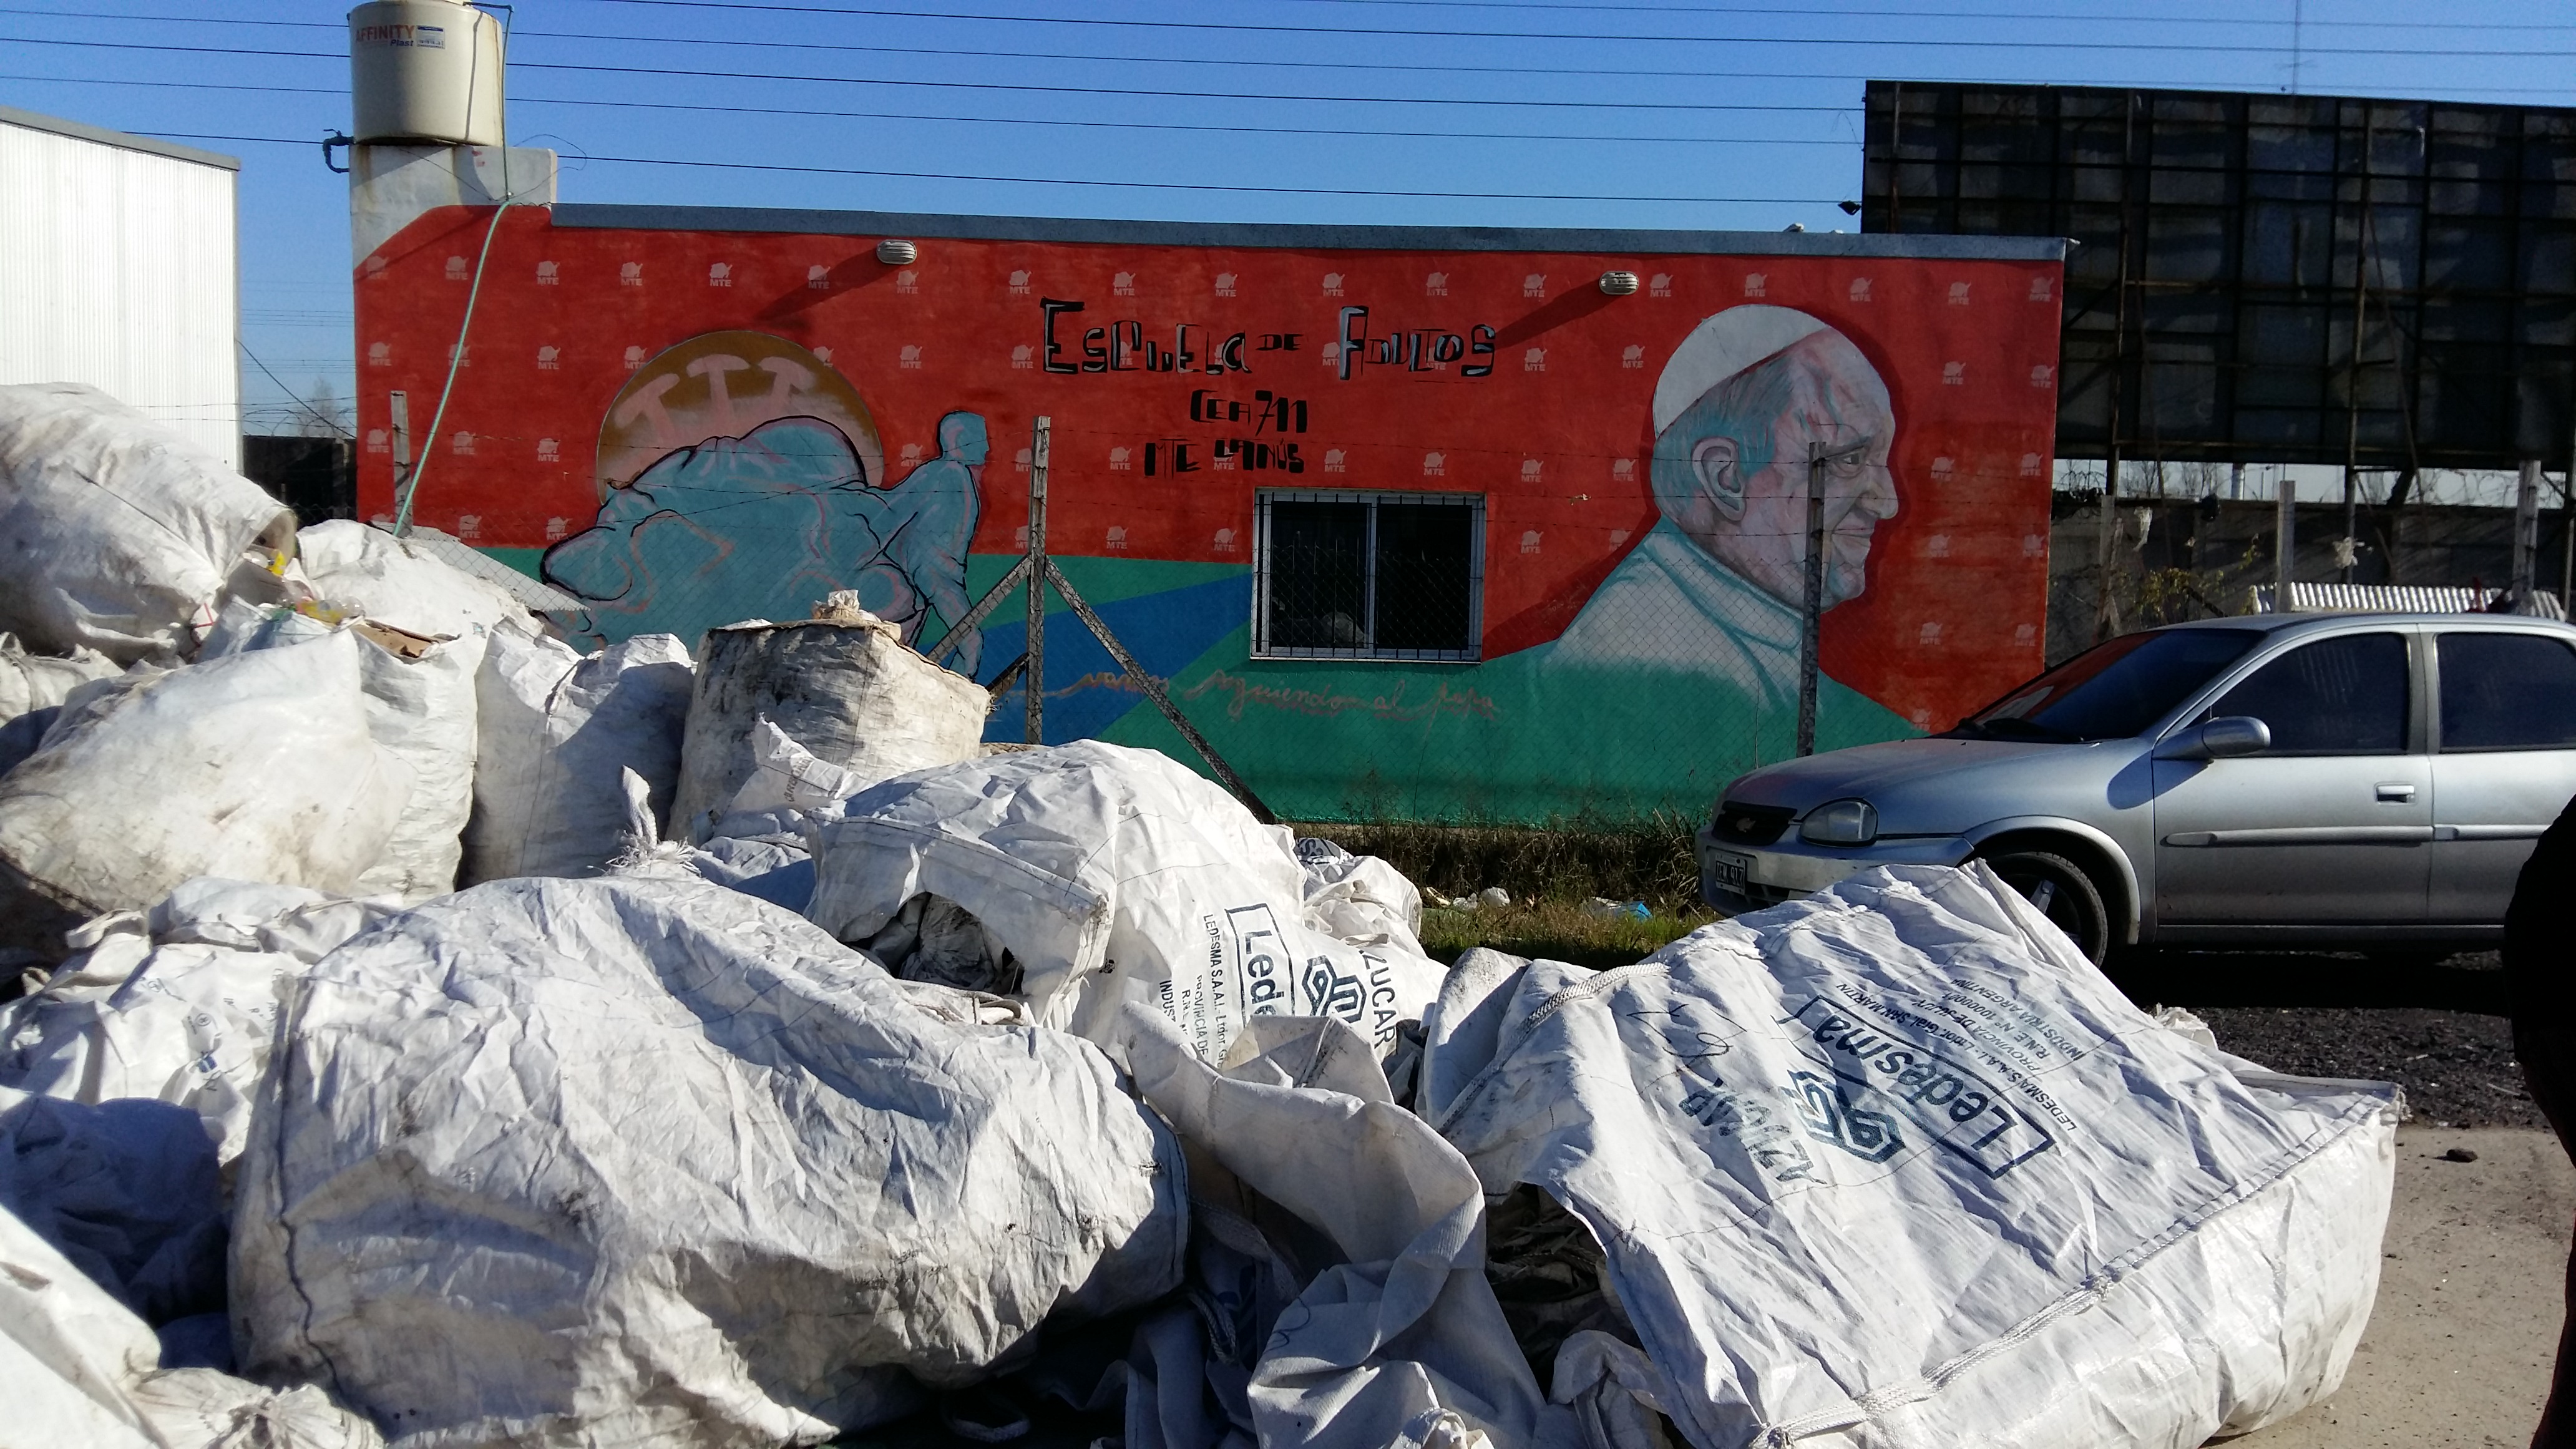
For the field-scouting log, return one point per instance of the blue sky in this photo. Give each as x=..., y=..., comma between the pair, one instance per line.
x=1642, y=115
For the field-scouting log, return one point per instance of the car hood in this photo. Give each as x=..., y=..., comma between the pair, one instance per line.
x=1943, y=786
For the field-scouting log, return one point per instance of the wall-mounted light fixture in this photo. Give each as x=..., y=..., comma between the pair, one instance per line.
x=1618, y=284
x=897, y=253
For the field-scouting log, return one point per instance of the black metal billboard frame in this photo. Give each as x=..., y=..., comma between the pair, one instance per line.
x=2269, y=278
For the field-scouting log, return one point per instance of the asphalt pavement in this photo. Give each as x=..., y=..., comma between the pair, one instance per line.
x=2436, y=1028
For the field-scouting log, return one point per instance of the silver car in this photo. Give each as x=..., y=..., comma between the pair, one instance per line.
x=2368, y=781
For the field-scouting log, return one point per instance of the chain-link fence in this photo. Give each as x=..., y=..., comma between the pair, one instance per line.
x=1513, y=645
x=2194, y=552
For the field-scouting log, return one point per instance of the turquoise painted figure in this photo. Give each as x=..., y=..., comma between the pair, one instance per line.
x=765, y=525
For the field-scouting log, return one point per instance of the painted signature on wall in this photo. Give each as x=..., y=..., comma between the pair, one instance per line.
x=1443, y=702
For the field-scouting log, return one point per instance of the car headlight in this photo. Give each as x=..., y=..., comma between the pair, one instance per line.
x=1840, y=822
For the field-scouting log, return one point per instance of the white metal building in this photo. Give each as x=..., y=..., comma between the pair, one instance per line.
x=119, y=268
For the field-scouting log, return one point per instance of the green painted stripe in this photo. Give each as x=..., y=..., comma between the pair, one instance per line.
x=526, y=560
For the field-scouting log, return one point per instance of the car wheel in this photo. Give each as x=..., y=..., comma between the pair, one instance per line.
x=2063, y=893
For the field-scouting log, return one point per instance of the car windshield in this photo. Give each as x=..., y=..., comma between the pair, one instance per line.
x=2112, y=690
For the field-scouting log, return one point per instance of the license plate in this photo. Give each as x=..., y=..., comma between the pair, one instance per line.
x=1726, y=868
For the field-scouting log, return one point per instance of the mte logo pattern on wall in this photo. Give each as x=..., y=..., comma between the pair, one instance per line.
x=1410, y=525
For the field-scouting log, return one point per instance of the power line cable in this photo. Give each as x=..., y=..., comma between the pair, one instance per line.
x=295, y=405
x=1551, y=36
x=1047, y=122
x=1945, y=15
x=804, y=46
x=2409, y=52
x=1480, y=135
x=1077, y=181
x=1038, y=121
x=1123, y=92
x=695, y=73
x=1796, y=12
x=803, y=111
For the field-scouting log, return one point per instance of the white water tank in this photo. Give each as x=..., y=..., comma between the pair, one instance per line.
x=425, y=70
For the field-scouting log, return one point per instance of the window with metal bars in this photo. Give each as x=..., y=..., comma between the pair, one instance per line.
x=1368, y=575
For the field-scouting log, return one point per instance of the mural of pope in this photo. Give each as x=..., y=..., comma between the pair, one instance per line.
x=1716, y=586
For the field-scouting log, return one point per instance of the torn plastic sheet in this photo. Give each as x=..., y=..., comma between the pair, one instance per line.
x=1395, y=1338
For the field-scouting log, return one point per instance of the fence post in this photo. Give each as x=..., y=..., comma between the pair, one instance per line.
x=1037, y=561
x=400, y=403
x=2285, y=523
x=2567, y=530
x=1811, y=620
x=2526, y=528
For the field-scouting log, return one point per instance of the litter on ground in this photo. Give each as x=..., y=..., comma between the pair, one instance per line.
x=422, y=1033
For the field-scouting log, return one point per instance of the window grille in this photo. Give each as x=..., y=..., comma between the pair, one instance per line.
x=1346, y=575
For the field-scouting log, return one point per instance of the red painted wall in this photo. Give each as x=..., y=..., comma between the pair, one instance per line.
x=1558, y=435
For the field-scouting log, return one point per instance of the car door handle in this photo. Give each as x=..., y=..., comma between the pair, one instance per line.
x=2396, y=791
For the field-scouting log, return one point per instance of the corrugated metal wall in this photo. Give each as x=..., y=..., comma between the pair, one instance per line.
x=117, y=269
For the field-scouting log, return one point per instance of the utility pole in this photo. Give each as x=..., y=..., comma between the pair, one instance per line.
x=2567, y=530
x=1037, y=561
x=2285, y=526
x=1040, y=573
x=401, y=407
x=2351, y=548
x=2106, y=538
x=2526, y=530
x=1811, y=621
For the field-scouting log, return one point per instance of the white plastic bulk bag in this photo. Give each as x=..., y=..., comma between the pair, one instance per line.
x=430, y=714
x=785, y=776
x=1894, y=1166
x=760, y=844
x=305, y=925
x=254, y=767
x=368, y=572
x=32, y=689
x=183, y=1024
x=558, y=731
x=30, y=682
x=420, y=707
x=127, y=1190
x=644, y=1160
x=1359, y=898
x=845, y=689
x=1393, y=1337
x=83, y=1370
x=178, y=1005
x=116, y=534
x=769, y=858
x=1113, y=875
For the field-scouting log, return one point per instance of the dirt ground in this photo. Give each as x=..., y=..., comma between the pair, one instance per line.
x=2471, y=1292
x=2459, y=1347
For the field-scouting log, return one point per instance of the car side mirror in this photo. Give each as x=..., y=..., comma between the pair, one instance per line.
x=2225, y=737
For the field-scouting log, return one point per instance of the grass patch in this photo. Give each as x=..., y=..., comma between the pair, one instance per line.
x=1650, y=860
x=1556, y=930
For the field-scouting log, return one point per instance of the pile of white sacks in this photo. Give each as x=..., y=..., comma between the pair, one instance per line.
x=433, y=1036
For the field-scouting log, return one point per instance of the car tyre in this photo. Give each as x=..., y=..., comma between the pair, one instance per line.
x=2061, y=891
